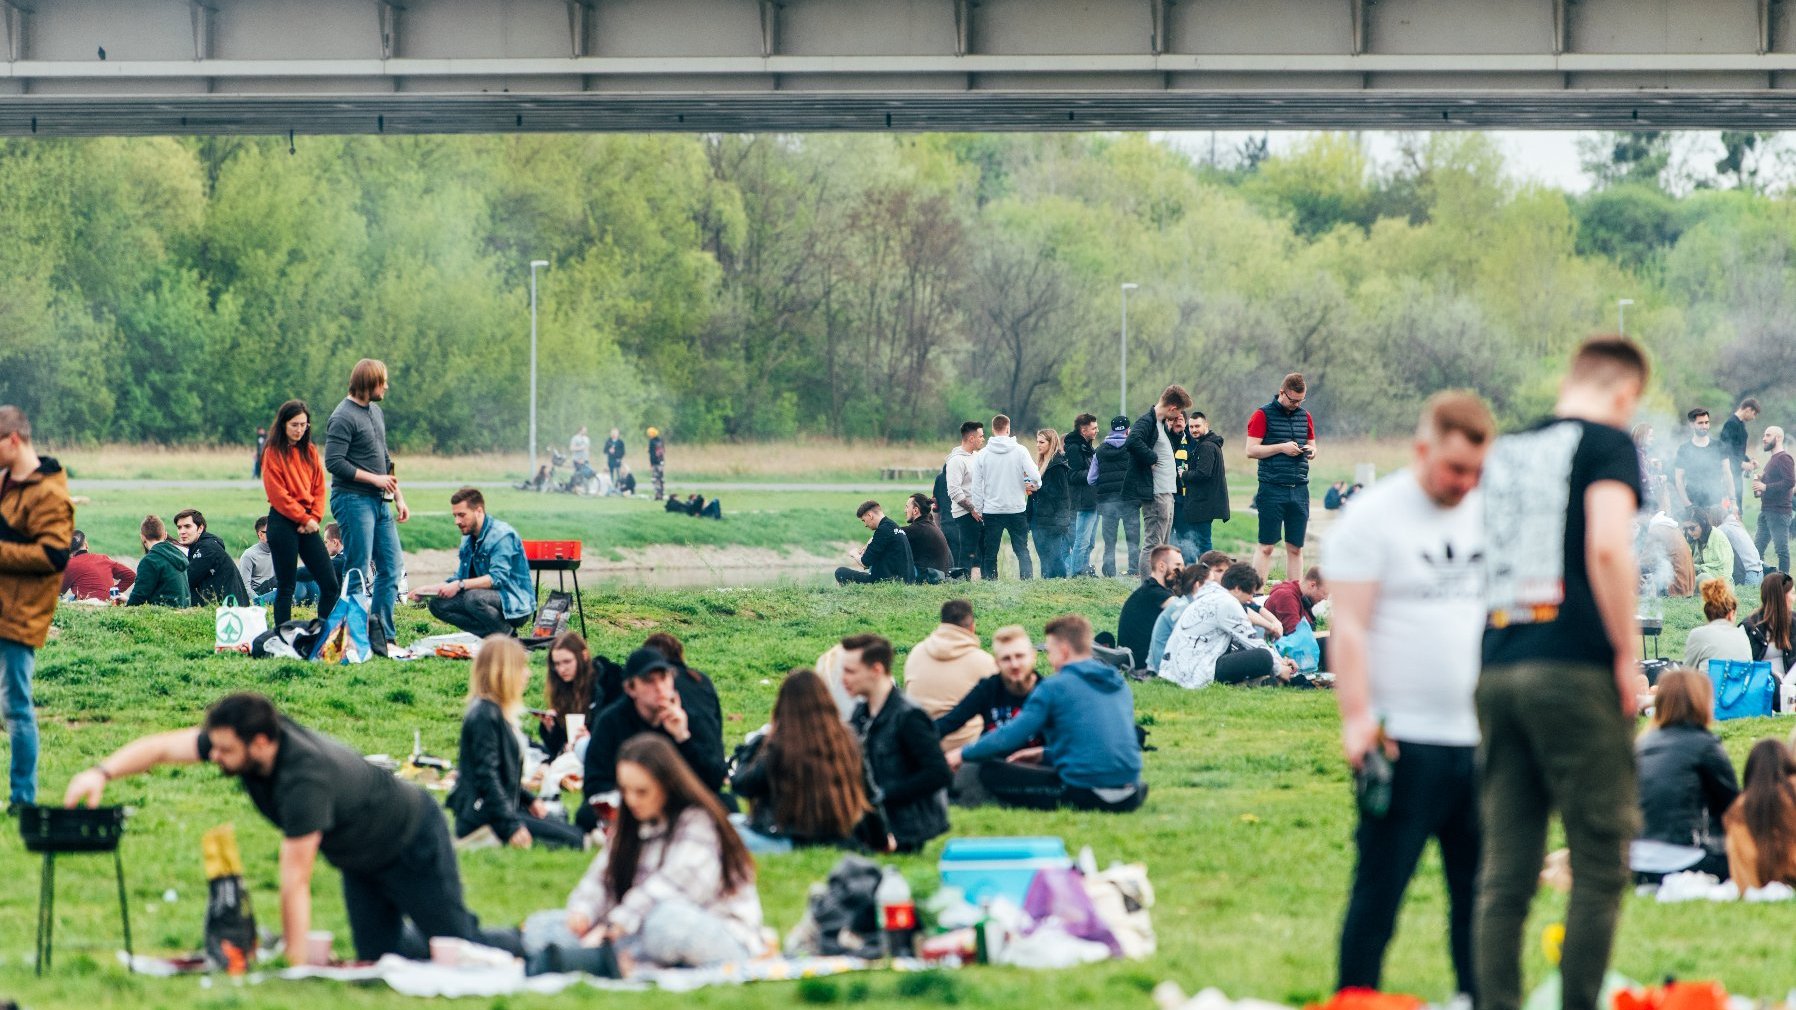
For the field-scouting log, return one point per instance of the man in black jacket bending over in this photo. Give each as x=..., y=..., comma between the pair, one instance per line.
x=887, y=557
x=899, y=744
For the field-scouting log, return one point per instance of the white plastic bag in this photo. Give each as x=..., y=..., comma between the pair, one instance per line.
x=237, y=627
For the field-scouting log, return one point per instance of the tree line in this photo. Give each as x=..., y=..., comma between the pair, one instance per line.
x=866, y=286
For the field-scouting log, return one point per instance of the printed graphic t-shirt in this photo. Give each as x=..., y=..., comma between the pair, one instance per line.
x=1536, y=586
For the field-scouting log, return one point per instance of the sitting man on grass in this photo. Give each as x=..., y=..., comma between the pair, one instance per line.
x=886, y=557
x=898, y=742
x=212, y=577
x=662, y=697
x=1085, y=714
x=1135, y=626
x=93, y=576
x=491, y=593
x=387, y=838
x=162, y=573
x=995, y=701
x=256, y=565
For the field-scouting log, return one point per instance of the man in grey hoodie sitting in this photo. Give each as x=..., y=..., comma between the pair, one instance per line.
x=1004, y=476
x=1085, y=714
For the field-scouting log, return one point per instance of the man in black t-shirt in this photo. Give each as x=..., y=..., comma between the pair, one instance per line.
x=1700, y=468
x=1135, y=626
x=387, y=838
x=1556, y=698
x=1733, y=440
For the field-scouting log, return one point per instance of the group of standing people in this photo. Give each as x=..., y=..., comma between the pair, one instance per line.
x=1160, y=478
x=618, y=478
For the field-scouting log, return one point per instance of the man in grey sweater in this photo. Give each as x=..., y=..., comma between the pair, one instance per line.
x=362, y=482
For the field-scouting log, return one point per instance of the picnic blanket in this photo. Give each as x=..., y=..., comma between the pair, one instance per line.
x=421, y=978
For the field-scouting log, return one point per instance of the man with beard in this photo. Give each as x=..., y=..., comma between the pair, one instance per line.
x=387, y=838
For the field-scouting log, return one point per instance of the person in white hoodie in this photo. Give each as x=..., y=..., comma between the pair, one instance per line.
x=965, y=515
x=1004, y=476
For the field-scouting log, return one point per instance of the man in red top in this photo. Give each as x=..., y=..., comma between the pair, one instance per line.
x=94, y=576
x=1292, y=600
x=1281, y=436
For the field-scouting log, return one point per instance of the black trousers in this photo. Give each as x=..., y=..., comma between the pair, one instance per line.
x=969, y=536
x=1434, y=794
x=1237, y=667
x=479, y=611
x=859, y=577
x=1038, y=787
x=546, y=832
x=1017, y=525
x=399, y=907
x=288, y=545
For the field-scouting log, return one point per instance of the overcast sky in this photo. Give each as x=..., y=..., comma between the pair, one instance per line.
x=1547, y=156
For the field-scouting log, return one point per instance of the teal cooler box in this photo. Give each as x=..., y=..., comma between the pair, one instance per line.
x=988, y=868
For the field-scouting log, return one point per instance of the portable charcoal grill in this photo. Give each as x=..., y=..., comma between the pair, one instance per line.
x=54, y=831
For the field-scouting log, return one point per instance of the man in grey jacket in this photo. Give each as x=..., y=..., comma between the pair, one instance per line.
x=1004, y=476
x=256, y=563
x=362, y=484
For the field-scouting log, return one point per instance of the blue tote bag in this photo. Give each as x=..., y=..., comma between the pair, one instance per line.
x=345, y=637
x=1743, y=689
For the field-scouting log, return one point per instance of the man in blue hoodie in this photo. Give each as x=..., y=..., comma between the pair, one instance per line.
x=1091, y=759
x=491, y=593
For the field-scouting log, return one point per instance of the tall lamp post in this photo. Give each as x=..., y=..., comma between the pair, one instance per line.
x=1621, y=316
x=534, y=264
x=1126, y=288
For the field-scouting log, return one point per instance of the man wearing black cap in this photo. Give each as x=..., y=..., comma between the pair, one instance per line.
x=1108, y=476
x=662, y=697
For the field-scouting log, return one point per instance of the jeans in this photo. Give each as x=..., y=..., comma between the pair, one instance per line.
x=757, y=843
x=17, y=662
x=422, y=885
x=1554, y=739
x=288, y=545
x=1128, y=513
x=1774, y=530
x=545, y=832
x=658, y=469
x=1156, y=525
x=1192, y=540
x=370, y=534
x=1085, y=529
x=1434, y=794
x=995, y=526
x=1050, y=548
x=1038, y=787
x=970, y=532
x=479, y=611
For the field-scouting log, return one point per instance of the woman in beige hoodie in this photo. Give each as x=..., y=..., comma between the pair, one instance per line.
x=942, y=668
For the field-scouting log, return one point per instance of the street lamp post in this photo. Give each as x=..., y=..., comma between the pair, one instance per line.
x=1621, y=316
x=1126, y=288
x=534, y=264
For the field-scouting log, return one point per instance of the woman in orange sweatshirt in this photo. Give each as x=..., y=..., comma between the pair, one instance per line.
x=293, y=477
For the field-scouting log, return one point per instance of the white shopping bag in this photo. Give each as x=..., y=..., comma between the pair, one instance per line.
x=238, y=627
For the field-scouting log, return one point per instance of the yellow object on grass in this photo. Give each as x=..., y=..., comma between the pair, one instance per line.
x=1552, y=942
x=218, y=847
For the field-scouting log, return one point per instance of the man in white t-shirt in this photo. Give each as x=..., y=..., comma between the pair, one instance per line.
x=1404, y=567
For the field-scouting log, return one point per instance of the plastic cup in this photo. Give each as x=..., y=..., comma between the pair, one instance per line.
x=576, y=721
x=318, y=946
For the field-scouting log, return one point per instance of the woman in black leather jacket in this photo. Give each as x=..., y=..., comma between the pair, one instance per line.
x=1686, y=779
x=489, y=791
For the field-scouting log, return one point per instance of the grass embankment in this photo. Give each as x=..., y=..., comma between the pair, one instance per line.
x=1246, y=834
x=813, y=522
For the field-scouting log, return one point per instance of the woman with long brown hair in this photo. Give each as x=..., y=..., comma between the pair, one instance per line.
x=674, y=886
x=1761, y=824
x=568, y=691
x=293, y=479
x=807, y=781
x=1768, y=628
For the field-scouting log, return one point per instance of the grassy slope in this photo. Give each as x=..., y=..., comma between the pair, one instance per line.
x=813, y=521
x=1246, y=834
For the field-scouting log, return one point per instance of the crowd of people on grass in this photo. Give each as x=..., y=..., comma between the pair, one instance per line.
x=1482, y=642
x=584, y=478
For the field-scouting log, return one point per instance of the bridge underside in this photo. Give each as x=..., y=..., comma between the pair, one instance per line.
x=88, y=67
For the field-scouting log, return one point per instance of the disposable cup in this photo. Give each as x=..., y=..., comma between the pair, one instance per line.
x=576, y=721
x=318, y=946
x=446, y=950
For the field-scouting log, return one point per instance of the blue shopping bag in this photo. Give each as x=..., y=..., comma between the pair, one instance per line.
x=1743, y=689
x=345, y=638
x=1302, y=648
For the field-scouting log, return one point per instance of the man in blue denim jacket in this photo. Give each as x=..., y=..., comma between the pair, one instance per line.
x=491, y=591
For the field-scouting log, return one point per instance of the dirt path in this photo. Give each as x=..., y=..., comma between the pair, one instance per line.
x=662, y=564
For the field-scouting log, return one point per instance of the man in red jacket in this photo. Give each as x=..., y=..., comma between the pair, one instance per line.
x=1295, y=600
x=94, y=576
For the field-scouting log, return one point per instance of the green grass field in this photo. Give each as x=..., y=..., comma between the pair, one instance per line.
x=1246, y=833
